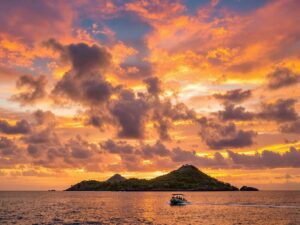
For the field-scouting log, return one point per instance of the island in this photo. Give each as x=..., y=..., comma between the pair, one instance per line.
x=186, y=178
x=246, y=188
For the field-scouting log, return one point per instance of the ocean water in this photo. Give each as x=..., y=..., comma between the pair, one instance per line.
x=264, y=207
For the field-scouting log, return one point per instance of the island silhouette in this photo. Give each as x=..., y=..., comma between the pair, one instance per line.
x=186, y=178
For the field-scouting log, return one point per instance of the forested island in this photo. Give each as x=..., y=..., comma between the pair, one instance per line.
x=186, y=178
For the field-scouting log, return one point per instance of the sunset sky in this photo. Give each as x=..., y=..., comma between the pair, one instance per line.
x=89, y=88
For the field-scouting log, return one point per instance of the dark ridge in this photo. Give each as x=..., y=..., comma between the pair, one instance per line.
x=186, y=178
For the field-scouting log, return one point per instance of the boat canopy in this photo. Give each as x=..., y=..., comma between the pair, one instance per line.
x=177, y=194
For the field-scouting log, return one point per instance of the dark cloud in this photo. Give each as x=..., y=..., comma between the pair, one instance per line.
x=83, y=58
x=79, y=153
x=36, y=89
x=7, y=147
x=177, y=112
x=10, y=154
x=162, y=157
x=165, y=113
x=34, y=150
x=48, y=149
x=183, y=156
x=267, y=159
x=39, y=141
x=95, y=120
x=86, y=58
x=100, y=117
x=133, y=111
x=153, y=85
x=145, y=151
x=81, y=149
x=236, y=139
x=83, y=83
x=281, y=111
x=235, y=113
x=162, y=127
x=21, y=127
x=89, y=90
x=131, y=162
x=72, y=153
x=237, y=95
x=282, y=77
x=130, y=112
x=43, y=117
x=42, y=146
x=45, y=136
x=180, y=155
x=292, y=127
x=34, y=173
x=130, y=155
x=219, y=136
x=152, y=151
x=120, y=147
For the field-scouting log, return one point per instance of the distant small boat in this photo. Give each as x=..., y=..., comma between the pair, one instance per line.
x=178, y=199
x=51, y=190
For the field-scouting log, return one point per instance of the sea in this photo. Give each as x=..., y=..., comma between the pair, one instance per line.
x=75, y=208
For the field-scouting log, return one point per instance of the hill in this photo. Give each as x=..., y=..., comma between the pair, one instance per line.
x=115, y=178
x=186, y=178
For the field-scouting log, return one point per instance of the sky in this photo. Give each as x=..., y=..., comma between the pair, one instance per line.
x=90, y=88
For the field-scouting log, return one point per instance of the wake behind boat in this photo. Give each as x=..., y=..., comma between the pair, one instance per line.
x=178, y=199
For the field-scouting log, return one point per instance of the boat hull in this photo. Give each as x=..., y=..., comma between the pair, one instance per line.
x=178, y=202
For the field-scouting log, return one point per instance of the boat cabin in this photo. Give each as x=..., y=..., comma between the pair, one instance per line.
x=178, y=196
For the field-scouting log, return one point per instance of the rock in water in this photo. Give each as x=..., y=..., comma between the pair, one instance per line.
x=245, y=188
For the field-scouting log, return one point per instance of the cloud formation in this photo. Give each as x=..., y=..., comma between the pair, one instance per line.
x=165, y=114
x=7, y=147
x=220, y=136
x=84, y=83
x=87, y=90
x=140, y=74
x=159, y=155
x=281, y=111
x=45, y=148
x=235, y=113
x=153, y=85
x=131, y=114
x=292, y=127
x=21, y=127
x=84, y=59
x=158, y=152
x=36, y=89
x=43, y=117
x=267, y=159
x=282, y=77
x=237, y=95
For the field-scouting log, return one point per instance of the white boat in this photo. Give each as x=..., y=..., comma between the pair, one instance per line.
x=178, y=199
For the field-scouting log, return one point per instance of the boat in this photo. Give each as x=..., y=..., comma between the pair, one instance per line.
x=178, y=199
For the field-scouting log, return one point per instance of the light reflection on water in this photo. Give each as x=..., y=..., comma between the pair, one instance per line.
x=263, y=207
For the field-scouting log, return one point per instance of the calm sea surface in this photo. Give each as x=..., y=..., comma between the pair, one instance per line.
x=264, y=207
